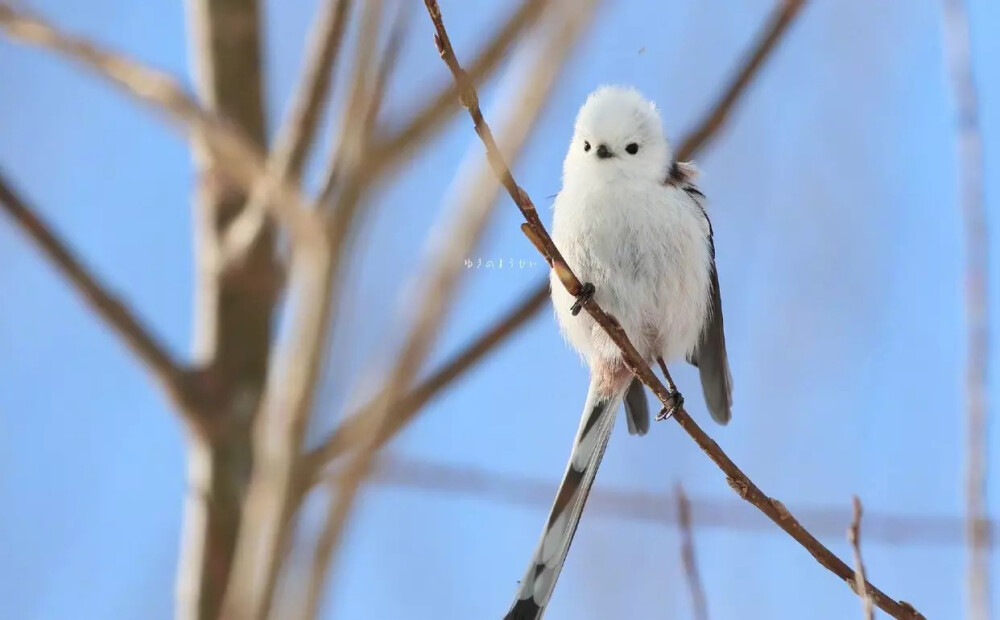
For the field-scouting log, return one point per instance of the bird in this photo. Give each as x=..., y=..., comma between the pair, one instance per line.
x=633, y=226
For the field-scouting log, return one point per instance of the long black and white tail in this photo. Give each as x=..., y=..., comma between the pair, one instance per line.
x=536, y=587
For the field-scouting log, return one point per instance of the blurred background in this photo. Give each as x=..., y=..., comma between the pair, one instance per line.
x=834, y=191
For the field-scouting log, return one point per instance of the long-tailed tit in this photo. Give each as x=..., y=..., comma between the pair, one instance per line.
x=631, y=224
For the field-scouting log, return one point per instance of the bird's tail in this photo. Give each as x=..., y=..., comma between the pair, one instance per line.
x=538, y=583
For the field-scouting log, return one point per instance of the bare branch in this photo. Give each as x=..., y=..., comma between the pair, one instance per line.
x=238, y=156
x=115, y=313
x=783, y=15
x=958, y=53
x=854, y=537
x=479, y=197
x=698, y=602
x=536, y=232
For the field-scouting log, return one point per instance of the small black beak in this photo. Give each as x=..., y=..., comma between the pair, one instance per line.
x=604, y=152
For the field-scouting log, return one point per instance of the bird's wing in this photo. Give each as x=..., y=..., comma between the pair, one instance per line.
x=710, y=355
x=636, y=409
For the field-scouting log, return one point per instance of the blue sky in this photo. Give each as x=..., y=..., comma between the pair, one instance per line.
x=833, y=193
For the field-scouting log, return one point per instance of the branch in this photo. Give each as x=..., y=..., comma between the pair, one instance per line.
x=698, y=602
x=773, y=31
x=478, y=199
x=958, y=52
x=854, y=537
x=115, y=313
x=238, y=154
x=535, y=231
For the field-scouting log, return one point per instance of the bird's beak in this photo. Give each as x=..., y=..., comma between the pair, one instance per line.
x=603, y=152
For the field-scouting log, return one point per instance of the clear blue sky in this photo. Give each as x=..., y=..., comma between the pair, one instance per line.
x=833, y=193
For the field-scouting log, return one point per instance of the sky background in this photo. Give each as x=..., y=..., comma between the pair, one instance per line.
x=839, y=240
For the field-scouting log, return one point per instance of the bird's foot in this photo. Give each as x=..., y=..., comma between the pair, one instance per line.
x=666, y=413
x=586, y=294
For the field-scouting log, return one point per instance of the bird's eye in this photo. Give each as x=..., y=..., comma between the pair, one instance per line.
x=632, y=148
x=586, y=145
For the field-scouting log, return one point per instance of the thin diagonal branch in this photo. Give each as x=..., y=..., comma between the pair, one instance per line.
x=854, y=537
x=239, y=157
x=533, y=302
x=958, y=52
x=535, y=231
x=116, y=314
x=771, y=34
x=698, y=601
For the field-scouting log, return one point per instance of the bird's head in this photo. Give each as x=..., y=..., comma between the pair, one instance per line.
x=618, y=135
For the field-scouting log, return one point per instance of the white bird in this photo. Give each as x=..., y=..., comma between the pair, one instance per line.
x=632, y=225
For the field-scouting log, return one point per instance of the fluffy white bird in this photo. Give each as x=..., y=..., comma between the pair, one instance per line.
x=632, y=225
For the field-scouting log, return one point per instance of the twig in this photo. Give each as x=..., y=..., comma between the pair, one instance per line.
x=659, y=509
x=115, y=313
x=958, y=52
x=768, y=39
x=237, y=155
x=533, y=302
x=534, y=229
x=698, y=602
x=854, y=537
x=478, y=199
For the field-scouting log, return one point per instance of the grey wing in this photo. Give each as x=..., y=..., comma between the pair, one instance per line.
x=710, y=354
x=636, y=408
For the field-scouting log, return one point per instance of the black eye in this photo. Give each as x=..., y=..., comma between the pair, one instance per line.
x=586, y=145
x=632, y=148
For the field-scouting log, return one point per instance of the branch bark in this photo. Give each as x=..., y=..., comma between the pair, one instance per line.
x=536, y=232
x=958, y=52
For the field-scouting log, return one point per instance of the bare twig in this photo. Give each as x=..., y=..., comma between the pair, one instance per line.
x=660, y=509
x=768, y=39
x=479, y=197
x=115, y=313
x=854, y=537
x=536, y=232
x=958, y=50
x=238, y=154
x=698, y=602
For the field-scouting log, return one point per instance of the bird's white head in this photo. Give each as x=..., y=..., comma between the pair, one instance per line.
x=618, y=136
